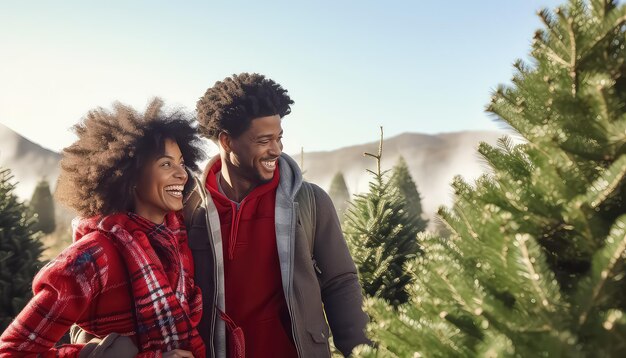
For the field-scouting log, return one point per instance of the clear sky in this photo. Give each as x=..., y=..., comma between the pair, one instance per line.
x=350, y=66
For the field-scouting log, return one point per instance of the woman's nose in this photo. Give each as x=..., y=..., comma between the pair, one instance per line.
x=182, y=173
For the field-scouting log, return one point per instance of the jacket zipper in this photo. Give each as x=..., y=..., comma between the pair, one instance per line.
x=316, y=267
x=215, y=278
x=234, y=230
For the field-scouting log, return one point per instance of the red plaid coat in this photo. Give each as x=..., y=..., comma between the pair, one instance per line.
x=92, y=283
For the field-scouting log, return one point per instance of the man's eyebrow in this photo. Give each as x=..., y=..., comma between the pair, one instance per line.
x=268, y=135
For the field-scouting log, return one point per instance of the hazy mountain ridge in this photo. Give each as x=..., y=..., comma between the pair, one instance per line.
x=28, y=161
x=433, y=161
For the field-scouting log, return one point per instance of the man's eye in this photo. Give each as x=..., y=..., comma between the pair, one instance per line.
x=166, y=164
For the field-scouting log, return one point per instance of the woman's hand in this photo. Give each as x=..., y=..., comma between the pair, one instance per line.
x=177, y=353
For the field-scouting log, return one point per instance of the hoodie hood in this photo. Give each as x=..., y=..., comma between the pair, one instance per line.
x=290, y=176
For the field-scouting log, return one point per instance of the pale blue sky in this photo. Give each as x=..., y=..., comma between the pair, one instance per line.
x=350, y=66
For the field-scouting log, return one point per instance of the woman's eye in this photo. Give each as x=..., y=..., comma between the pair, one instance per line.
x=166, y=164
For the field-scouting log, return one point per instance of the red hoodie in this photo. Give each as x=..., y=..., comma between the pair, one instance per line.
x=253, y=290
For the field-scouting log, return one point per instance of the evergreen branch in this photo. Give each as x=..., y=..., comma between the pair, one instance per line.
x=505, y=249
x=446, y=217
x=572, y=66
x=603, y=186
x=562, y=154
x=608, y=32
x=604, y=108
x=602, y=266
x=469, y=226
x=617, y=132
x=458, y=297
x=600, y=7
x=380, y=152
x=535, y=276
x=552, y=55
x=544, y=15
x=543, y=329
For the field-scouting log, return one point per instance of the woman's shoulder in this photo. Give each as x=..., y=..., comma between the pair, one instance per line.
x=96, y=246
x=91, y=259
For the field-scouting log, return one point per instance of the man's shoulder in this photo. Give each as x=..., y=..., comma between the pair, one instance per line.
x=319, y=195
x=311, y=186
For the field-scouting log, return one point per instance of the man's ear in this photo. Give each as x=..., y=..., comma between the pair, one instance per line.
x=224, y=141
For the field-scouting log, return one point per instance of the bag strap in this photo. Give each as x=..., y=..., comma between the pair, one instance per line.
x=307, y=211
x=191, y=204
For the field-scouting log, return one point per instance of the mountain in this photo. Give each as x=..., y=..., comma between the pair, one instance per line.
x=28, y=161
x=433, y=161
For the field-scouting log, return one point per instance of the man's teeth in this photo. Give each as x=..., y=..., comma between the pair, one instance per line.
x=270, y=164
x=175, y=190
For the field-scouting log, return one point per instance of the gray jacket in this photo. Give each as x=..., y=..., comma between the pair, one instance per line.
x=318, y=287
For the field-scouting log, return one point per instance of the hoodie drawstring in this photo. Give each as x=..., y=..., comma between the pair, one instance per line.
x=234, y=228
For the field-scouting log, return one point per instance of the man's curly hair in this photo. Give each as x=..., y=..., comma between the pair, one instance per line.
x=230, y=105
x=99, y=171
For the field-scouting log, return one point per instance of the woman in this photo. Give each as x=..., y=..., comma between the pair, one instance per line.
x=129, y=270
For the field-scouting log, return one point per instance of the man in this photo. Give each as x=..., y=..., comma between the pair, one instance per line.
x=269, y=254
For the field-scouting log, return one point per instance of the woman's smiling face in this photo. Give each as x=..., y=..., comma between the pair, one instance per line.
x=160, y=185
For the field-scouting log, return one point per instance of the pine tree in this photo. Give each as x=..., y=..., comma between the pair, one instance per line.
x=42, y=204
x=535, y=264
x=402, y=179
x=339, y=194
x=20, y=250
x=381, y=237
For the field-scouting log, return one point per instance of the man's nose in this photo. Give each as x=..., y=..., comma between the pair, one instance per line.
x=276, y=148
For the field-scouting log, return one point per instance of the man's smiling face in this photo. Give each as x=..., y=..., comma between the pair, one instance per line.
x=253, y=155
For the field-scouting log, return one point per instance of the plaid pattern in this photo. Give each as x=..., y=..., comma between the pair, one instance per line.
x=166, y=320
x=88, y=284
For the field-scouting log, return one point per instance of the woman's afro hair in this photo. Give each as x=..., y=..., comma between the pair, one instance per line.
x=99, y=171
x=230, y=105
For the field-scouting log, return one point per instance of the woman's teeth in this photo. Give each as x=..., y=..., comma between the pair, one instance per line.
x=175, y=190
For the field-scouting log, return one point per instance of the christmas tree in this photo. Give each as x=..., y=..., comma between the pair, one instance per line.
x=534, y=266
x=382, y=238
x=42, y=205
x=19, y=252
x=339, y=194
x=402, y=179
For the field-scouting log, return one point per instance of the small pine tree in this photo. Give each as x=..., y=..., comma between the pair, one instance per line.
x=20, y=250
x=339, y=194
x=535, y=264
x=381, y=237
x=401, y=178
x=42, y=204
